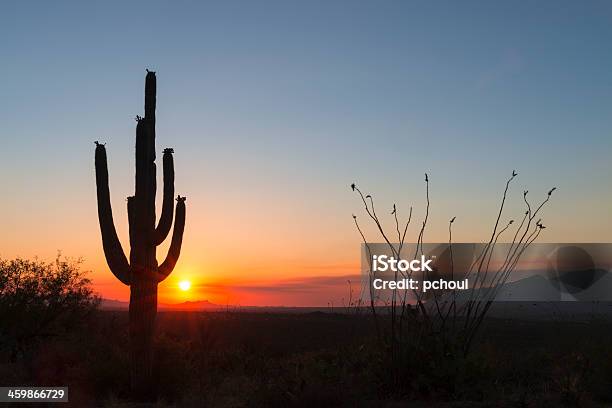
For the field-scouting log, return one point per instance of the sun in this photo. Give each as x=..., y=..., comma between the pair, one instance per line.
x=184, y=285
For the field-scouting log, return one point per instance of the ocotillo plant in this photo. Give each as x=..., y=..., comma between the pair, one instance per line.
x=142, y=273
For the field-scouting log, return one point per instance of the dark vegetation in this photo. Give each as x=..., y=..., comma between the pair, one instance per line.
x=40, y=301
x=220, y=359
x=239, y=359
x=433, y=336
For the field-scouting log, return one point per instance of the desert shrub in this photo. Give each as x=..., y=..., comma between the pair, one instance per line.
x=41, y=301
x=427, y=339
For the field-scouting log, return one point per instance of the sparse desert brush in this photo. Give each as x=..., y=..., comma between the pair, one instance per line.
x=40, y=301
x=421, y=338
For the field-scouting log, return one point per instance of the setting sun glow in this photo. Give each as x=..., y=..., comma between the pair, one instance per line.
x=184, y=285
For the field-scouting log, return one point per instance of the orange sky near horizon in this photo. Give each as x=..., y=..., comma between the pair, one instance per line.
x=261, y=254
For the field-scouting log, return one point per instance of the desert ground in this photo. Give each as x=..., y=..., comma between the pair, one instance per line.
x=236, y=359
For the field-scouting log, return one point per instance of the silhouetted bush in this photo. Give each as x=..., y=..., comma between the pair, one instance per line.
x=40, y=301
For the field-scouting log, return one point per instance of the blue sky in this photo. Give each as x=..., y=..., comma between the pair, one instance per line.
x=273, y=108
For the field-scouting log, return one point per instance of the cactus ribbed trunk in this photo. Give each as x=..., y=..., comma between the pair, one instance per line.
x=143, y=310
x=142, y=273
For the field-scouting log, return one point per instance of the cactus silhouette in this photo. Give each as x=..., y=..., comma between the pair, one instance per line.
x=142, y=273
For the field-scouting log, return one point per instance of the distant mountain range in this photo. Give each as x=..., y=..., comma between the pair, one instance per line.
x=537, y=297
x=206, y=306
x=200, y=305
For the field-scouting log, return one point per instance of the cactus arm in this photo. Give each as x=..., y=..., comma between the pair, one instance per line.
x=177, y=239
x=115, y=258
x=165, y=220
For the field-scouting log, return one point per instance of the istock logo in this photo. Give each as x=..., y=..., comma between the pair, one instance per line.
x=383, y=263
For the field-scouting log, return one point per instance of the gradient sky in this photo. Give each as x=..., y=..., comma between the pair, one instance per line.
x=274, y=108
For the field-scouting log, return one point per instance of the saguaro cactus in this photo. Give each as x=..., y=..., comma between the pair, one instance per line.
x=142, y=273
